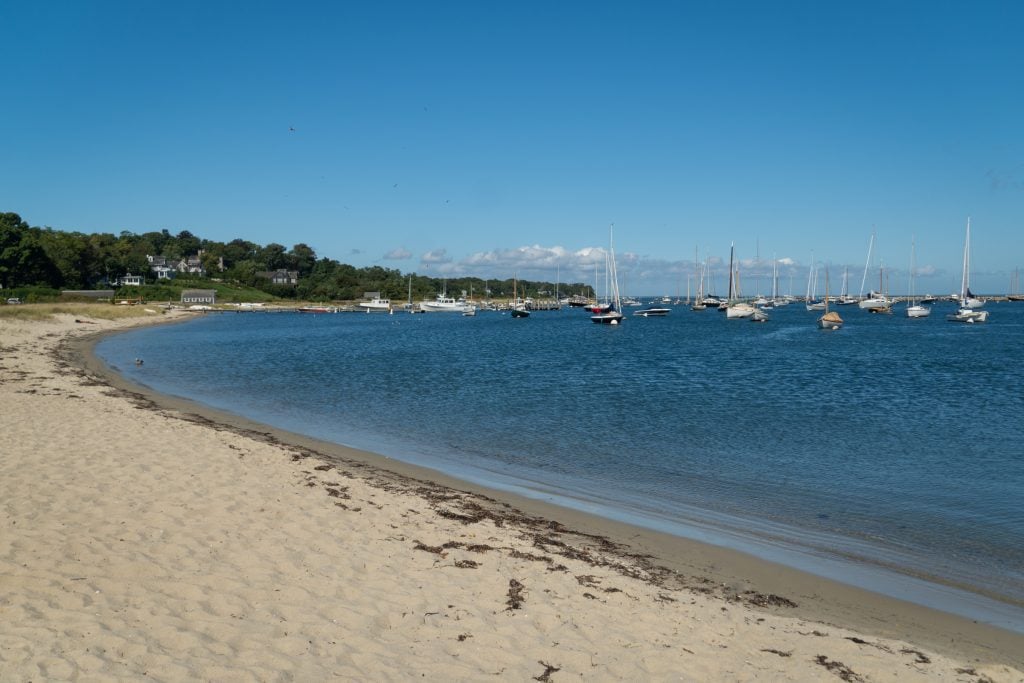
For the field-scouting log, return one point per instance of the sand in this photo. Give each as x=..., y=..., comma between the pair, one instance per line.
x=153, y=539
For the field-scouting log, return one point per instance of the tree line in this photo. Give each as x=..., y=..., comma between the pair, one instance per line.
x=59, y=260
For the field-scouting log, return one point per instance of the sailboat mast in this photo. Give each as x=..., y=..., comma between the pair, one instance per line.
x=732, y=249
x=867, y=264
x=964, y=284
x=911, y=272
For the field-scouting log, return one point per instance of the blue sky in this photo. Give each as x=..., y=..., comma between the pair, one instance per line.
x=499, y=138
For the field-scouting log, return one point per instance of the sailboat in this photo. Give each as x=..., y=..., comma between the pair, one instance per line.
x=612, y=315
x=914, y=309
x=735, y=308
x=830, y=320
x=1015, y=294
x=880, y=302
x=698, y=302
x=966, y=313
x=844, y=297
x=876, y=302
x=518, y=308
x=812, y=289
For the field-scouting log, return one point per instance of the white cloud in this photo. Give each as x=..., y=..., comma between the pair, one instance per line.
x=435, y=257
x=399, y=254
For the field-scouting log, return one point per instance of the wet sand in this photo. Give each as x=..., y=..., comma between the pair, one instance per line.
x=146, y=535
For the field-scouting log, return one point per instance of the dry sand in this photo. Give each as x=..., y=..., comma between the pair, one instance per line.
x=151, y=539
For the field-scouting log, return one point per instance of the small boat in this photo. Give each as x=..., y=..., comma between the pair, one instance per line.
x=317, y=309
x=759, y=316
x=830, y=320
x=648, y=312
x=967, y=313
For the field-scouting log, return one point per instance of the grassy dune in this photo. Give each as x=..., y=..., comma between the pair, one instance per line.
x=80, y=310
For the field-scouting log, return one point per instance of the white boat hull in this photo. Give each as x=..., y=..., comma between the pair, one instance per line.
x=444, y=307
x=878, y=302
x=968, y=315
x=376, y=306
x=739, y=311
x=918, y=311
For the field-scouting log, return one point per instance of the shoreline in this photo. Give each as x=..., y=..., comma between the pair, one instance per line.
x=826, y=558
x=677, y=569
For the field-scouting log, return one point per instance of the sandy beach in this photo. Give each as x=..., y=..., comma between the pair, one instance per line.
x=146, y=537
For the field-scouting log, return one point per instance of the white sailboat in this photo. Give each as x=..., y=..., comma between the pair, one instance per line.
x=875, y=301
x=698, y=301
x=812, y=289
x=915, y=309
x=613, y=314
x=844, y=297
x=966, y=313
x=736, y=309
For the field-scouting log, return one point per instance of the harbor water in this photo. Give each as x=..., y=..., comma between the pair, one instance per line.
x=889, y=453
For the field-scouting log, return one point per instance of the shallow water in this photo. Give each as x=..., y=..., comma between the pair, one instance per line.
x=892, y=442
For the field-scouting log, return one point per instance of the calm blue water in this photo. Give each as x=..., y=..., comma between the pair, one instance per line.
x=893, y=442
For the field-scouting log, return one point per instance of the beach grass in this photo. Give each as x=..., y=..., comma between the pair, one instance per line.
x=43, y=311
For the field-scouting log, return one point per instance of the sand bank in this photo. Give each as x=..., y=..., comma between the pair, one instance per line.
x=143, y=536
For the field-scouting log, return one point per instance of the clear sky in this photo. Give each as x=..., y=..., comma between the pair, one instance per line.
x=496, y=138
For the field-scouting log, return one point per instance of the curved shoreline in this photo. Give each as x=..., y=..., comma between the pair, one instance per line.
x=725, y=572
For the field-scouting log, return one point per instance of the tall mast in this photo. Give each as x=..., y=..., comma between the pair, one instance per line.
x=867, y=264
x=964, y=283
x=732, y=249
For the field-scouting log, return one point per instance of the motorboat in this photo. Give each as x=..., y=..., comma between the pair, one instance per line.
x=376, y=305
x=444, y=304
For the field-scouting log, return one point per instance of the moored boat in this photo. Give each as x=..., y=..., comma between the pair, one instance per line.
x=967, y=313
x=376, y=305
x=613, y=315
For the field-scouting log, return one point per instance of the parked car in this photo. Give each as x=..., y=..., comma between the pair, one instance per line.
x=14, y=300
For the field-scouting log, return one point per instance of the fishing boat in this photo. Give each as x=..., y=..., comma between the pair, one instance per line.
x=830, y=320
x=914, y=309
x=966, y=313
x=442, y=303
x=612, y=315
x=376, y=305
